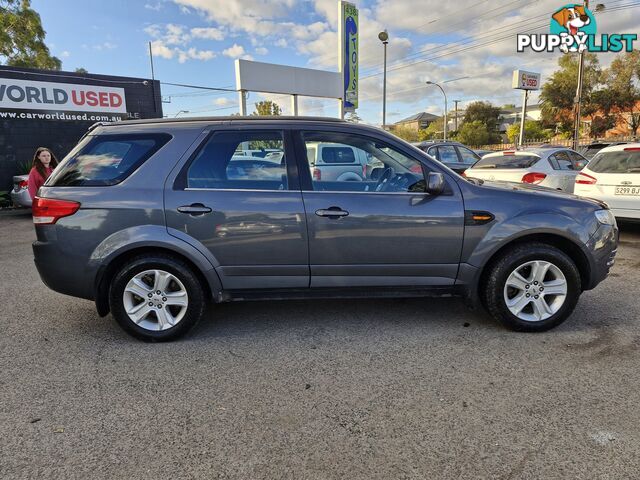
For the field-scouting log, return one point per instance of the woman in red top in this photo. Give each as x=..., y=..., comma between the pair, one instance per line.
x=44, y=161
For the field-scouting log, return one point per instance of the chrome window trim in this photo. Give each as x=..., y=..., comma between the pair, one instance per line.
x=299, y=191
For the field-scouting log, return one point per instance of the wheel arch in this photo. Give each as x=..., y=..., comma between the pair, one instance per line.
x=564, y=244
x=210, y=283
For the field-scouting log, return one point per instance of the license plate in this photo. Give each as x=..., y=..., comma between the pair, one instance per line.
x=628, y=191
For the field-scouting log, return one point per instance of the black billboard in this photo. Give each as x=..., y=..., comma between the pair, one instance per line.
x=45, y=108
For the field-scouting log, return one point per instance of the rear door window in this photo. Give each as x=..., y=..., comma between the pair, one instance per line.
x=447, y=154
x=218, y=166
x=624, y=161
x=106, y=159
x=468, y=157
x=507, y=161
x=561, y=161
x=579, y=162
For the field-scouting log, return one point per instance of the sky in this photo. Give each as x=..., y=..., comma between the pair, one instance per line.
x=470, y=45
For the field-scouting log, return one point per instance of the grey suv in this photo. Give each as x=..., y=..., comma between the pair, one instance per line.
x=144, y=218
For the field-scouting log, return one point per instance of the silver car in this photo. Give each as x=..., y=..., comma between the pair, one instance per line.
x=20, y=194
x=555, y=168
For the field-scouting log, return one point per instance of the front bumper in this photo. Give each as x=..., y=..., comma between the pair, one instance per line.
x=603, y=246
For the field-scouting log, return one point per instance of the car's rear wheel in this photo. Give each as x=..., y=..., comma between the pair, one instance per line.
x=156, y=297
x=532, y=287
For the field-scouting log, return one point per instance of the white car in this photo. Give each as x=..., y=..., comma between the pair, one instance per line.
x=613, y=176
x=552, y=167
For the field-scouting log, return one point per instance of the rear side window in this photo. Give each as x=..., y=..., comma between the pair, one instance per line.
x=338, y=154
x=561, y=161
x=625, y=161
x=507, y=161
x=447, y=154
x=106, y=160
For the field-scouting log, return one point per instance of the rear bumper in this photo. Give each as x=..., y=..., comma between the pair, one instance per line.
x=21, y=198
x=603, y=246
x=626, y=213
x=61, y=273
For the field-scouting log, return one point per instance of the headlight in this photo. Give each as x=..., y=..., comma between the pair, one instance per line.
x=605, y=217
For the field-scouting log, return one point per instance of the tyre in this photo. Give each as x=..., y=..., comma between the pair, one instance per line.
x=532, y=287
x=156, y=297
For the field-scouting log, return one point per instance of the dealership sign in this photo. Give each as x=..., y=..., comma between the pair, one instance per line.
x=32, y=95
x=349, y=54
x=525, y=80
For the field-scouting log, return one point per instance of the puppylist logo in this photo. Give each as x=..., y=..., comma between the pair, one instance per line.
x=573, y=29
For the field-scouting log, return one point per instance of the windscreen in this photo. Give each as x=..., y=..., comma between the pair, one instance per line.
x=624, y=161
x=507, y=161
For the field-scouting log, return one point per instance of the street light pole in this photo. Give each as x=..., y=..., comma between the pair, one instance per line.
x=384, y=38
x=445, y=106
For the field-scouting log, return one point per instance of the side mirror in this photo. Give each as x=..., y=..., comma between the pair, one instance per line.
x=435, y=183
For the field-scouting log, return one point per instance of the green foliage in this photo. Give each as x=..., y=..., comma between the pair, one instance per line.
x=5, y=199
x=483, y=112
x=622, y=80
x=559, y=91
x=24, y=167
x=532, y=131
x=475, y=133
x=267, y=108
x=406, y=133
x=81, y=70
x=433, y=132
x=22, y=37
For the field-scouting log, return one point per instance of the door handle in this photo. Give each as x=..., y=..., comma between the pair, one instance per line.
x=332, y=212
x=194, y=209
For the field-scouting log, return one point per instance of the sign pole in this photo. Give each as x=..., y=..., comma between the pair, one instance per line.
x=341, y=54
x=243, y=102
x=294, y=105
x=525, y=96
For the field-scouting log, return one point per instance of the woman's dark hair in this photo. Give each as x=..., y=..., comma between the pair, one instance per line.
x=37, y=164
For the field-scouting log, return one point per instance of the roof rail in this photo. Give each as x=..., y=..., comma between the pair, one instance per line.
x=236, y=118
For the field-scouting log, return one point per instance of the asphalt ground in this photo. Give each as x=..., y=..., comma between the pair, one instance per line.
x=360, y=389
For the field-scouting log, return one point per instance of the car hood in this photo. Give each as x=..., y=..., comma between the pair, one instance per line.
x=539, y=190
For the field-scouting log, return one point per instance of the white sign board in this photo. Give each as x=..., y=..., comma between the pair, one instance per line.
x=525, y=80
x=271, y=78
x=67, y=97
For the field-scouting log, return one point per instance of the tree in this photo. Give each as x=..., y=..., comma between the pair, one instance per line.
x=81, y=70
x=532, y=131
x=267, y=107
x=475, y=133
x=559, y=91
x=483, y=112
x=22, y=37
x=435, y=130
x=622, y=79
x=406, y=133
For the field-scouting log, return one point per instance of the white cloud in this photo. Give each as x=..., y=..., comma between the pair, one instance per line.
x=223, y=102
x=159, y=49
x=155, y=7
x=104, y=46
x=281, y=42
x=236, y=51
x=208, y=33
x=65, y=54
x=261, y=51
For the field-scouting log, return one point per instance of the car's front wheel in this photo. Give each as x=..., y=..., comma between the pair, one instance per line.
x=532, y=287
x=156, y=297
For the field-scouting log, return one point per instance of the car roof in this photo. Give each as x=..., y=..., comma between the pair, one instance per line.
x=620, y=147
x=237, y=118
x=429, y=143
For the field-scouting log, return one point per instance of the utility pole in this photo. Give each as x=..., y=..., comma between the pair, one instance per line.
x=455, y=120
x=578, y=99
x=384, y=38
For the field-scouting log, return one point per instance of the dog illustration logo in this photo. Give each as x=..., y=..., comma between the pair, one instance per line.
x=574, y=20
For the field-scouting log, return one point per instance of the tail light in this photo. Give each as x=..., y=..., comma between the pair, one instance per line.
x=534, y=177
x=317, y=174
x=463, y=174
x=584, y=179
x=23, y=184
x=632, y=149
x=47, y=211
x=364, y=171
x=508, y=152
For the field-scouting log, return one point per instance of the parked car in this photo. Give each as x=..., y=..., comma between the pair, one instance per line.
x=613, y=176
x=337, y=162
x=482, y=153
x=589, y=151
x=144, y=219
x=550, y=167
x=453, y=154
x=20, y=193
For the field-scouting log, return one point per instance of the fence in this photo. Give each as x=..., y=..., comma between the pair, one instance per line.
x=559, y=142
